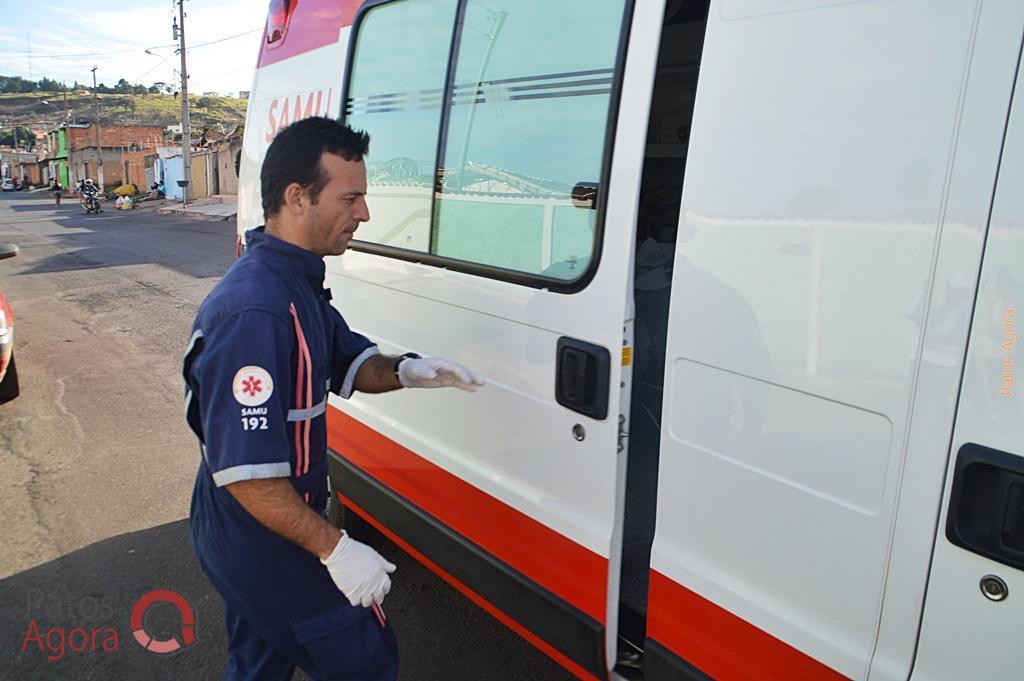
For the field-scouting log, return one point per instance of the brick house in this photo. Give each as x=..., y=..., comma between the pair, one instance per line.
x=31, y=171
x=17, y=163
x=54, y=152
x=116, y=140
x=222, y=154
x=139, y=168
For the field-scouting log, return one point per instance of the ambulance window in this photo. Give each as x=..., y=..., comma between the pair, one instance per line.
x=528, y=119
x=395, y=92
x=474, y=165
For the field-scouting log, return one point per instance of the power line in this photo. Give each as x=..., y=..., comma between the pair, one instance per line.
x=67, y=55
x=139, y=78
x=230, y=37
x=64, y=55
x=109, y=53
x=248, y=67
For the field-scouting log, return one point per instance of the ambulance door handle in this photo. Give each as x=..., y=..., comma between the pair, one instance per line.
x=582, y=372
x=986, y=506
x=584, y=195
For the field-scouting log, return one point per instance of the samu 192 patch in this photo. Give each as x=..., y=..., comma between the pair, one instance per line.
x=252, y=386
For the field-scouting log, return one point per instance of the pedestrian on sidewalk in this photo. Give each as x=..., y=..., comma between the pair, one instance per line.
x=266, y=347
x=56, y=188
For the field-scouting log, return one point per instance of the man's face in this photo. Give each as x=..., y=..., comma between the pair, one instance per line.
x=341, y=205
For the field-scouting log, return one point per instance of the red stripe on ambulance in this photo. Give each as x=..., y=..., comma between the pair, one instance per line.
x=554, y=561
x=542, y=645
x=720, y=644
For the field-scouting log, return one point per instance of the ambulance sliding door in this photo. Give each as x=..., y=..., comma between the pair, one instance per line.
x=507, y=143
x=974, y=612
x=818, y=199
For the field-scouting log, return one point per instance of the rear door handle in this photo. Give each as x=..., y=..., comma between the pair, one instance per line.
x=986, y=506
x=582, y=373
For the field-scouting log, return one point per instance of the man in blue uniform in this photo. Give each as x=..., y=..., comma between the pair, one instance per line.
x=266, y=347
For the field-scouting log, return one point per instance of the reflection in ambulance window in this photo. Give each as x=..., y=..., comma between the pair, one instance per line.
x=527, y=120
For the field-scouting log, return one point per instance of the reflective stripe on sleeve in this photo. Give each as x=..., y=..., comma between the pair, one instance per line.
x=192, y=341
x=307, y=414
x=252, y=471
x=350, y=378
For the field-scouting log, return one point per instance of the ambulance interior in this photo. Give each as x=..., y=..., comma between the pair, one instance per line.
x=668, y=135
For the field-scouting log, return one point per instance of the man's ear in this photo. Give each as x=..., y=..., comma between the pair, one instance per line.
x=295, y=198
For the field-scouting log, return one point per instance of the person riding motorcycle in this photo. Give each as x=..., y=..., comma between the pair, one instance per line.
x=90, y=197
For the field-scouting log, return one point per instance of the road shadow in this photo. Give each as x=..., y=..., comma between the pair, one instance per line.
x=194, y=247
x=33, y=207
x=85, y=251
x=442, y=635
x=95, y=588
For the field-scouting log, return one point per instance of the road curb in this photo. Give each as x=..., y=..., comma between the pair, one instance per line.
x=194, y=214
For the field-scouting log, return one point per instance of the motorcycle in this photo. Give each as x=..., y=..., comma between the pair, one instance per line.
x=92, y=202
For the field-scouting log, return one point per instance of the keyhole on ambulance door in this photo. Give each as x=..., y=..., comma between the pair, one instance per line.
x=579, y=432
x=994, y=588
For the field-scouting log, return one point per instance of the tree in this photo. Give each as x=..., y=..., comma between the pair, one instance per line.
x=26, y=138
x=206, y=102
x=17, y=84
x=48, y=85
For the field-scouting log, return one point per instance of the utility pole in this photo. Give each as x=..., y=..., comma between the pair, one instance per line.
x=96, y=115
x=186, y=139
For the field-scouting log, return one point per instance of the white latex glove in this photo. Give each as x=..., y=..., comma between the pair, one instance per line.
x=359, y=572
x=435, y=372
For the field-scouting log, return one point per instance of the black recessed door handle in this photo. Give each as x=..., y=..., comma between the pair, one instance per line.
x=584, y=194
x=986, y=506
x=582, y=373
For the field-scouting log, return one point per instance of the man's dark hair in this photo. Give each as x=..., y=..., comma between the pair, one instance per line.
x=294, y=156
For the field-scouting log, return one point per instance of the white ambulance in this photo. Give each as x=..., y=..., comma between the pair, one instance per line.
x=745, y=278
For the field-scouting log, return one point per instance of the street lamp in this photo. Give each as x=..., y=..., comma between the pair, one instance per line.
x=164, y=60
x=67, y=113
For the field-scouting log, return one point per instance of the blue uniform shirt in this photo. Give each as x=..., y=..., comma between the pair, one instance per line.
x=266, y=348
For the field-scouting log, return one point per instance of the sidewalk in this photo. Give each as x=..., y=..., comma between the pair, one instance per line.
x=220, y=207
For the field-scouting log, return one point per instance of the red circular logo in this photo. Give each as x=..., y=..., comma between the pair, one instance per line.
x=188, y=621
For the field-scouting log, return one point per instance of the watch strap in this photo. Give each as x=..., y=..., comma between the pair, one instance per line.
x=402, y=358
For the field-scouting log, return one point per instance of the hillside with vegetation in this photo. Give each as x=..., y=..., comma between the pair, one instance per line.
x=124, y=104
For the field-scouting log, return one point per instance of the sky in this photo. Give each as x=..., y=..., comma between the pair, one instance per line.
x=66, y=39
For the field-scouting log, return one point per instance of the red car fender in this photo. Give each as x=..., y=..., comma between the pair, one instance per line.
x=5, y=348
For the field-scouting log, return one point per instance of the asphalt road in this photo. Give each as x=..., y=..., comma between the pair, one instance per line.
x=96, y=464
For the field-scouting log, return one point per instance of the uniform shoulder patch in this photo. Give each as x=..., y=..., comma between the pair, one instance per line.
x=252, y=386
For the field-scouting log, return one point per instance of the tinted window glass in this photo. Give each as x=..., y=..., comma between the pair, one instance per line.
x=527, y=118
x=395, y=91
x=529, y=114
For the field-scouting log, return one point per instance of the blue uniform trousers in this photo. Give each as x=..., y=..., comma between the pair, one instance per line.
x=281, y=608
x=330, y=650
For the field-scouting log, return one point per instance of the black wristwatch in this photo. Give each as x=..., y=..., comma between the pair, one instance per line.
x=402, y=358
